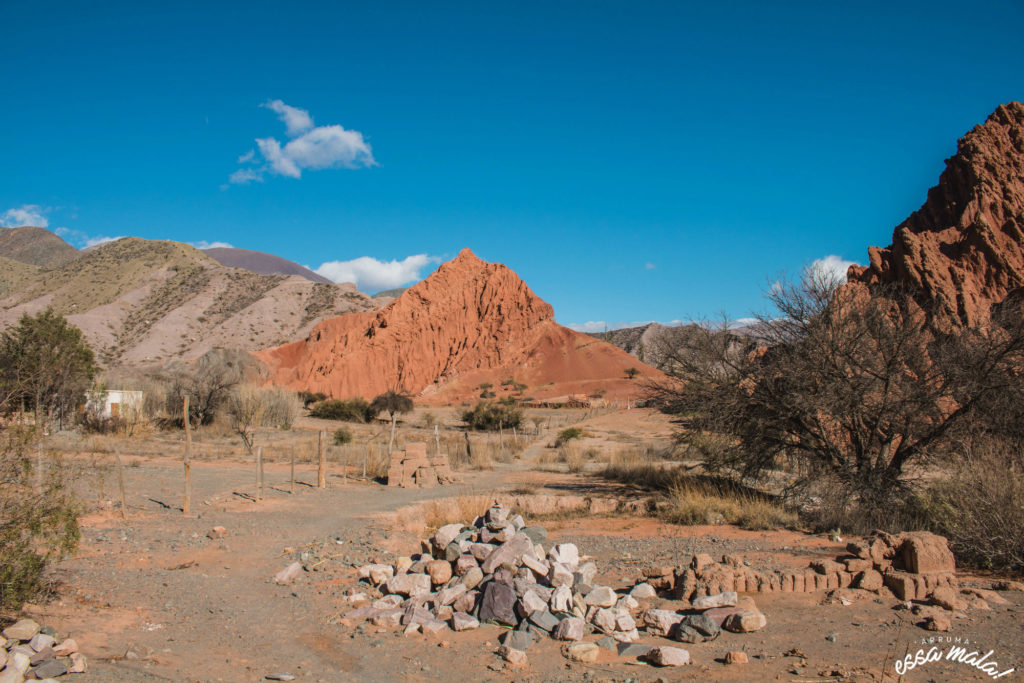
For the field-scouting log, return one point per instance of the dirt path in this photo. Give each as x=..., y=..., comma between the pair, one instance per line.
x=153, y=598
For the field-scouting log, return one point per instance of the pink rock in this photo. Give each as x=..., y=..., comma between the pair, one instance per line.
x=669, y=656
x=288, y=574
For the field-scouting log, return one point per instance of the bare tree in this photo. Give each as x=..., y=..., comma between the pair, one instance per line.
x=245, y=408
x=840, y=385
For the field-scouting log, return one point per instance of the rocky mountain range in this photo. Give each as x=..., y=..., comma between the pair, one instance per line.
x=963, y=250
x=145, y=302
x=469, y=323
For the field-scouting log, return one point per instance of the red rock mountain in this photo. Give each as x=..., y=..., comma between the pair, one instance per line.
x=964, y=249
x=470, y=322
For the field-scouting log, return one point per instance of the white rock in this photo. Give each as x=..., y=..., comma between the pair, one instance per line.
x=569, y=629
x=628, y=603
x=561, y=599
x=669, y=656
x=560, y=575
x=727, y=599
x=565, y=553
x=601, y=596
x=447, y=534
x=533, y=602
x=538, y=567
x=409, y=584
x=643, y=591
x=288, y=574
x=464, y=622
x=604, y=619
x=659, y=622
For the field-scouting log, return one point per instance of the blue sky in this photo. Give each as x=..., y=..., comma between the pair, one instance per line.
x=631, y=161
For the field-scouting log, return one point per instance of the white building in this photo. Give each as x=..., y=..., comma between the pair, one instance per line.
x=115, y=403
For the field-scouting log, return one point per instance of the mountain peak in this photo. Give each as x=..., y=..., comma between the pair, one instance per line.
x=963, y=250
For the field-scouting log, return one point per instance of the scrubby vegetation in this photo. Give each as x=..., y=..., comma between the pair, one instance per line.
x=352, y=410
x=342, y=436
x=494, y=415
x=38, y=517
x=567, y=435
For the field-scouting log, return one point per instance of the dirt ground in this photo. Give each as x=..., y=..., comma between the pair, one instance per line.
x=152, y=598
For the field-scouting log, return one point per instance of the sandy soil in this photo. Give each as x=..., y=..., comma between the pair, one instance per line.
x=152, y=598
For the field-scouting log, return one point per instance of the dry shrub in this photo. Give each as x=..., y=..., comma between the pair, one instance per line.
x=462, y=509
x=280, y=408
x=979, y=507
x=697, y=499
x=37, y=523
x=693, y=501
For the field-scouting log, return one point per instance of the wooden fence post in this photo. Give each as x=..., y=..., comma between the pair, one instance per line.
x=186, y=507
x=321, y=470
x=120, y=481
x=292, y=490
x=259, y=473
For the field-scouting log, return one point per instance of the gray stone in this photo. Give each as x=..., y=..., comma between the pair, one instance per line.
x=498, y=604
x=604, y=619
x=452, y=552
x=472, y=578
x=41, y=656
x=633, y=649
x=533, y=603
x=608, y=643
x=561, y=599
x=517, y=640
x=560, y=575
x=480, y=551
x=446, y=535
x=41, y=641
x=703, y=625
x=497, y=513
x=51, y=668
x=544, y=620
x=537, y=534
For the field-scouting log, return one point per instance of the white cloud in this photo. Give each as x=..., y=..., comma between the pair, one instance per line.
x=650, y=266
x=296, y=121
x=203, y=244
x=96, y=241
x=310, y=147
x=832, y=266
x=26, y=214
x=370, y=274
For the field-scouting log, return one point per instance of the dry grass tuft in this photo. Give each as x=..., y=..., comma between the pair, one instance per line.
x=692, y=501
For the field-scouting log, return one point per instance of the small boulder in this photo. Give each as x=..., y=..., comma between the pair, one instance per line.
x=736, y=657
x=24, y=629
x=570, y=628
x=669, y=656
x=745, y=621
x=727, y=599
x=288, y=574
x=643, y=591
x=582, y=652
x=464, y=622
x=439, y=571
x=601, y=596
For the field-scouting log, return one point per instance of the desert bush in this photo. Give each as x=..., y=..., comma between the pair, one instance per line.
x=353, y=410
x=979, y=507
x=567, y=435
x=429, y=420
x=694, y=501
x=393, y=403
x=280, y=408
x=860, y=391
x=493, y=415
x=342, y=436
x=246, y=406
x=37, y=523
x=308, y=398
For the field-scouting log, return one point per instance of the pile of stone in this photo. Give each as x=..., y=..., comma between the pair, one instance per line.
x=413, y=468
x=911, y=565
x=33, y=652
x=498, y=571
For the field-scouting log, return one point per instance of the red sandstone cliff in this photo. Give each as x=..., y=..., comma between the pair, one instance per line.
x=468, y=323
x=964, y=249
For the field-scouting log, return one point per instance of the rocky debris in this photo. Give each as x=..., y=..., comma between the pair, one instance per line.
x=493, y=571
x=31, y=651
x=911, y=565
x=216, y=532
x=963, y=249
x=736, y=657
x=413, y=468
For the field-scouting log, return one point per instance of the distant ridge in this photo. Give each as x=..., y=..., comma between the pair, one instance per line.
x=262, y=263
x=35, y=246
